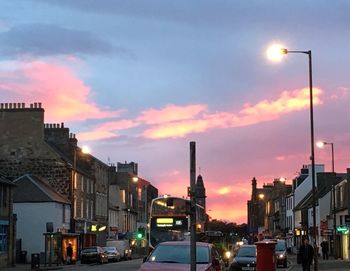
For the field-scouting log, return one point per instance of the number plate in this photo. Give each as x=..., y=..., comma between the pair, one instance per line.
x=248, y=268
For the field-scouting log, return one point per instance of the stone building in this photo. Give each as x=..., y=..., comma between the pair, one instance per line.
x=50, y=152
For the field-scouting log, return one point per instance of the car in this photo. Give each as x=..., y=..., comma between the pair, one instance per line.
x=93, y=255
x=113, y=254
x=281, y=252
x=175, y=255
x=245, y=258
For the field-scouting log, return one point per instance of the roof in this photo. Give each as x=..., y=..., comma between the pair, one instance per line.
x=3, y=180
x=183, y=243
x=32, y=189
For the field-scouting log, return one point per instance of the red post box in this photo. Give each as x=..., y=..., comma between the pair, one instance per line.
x=266, y=257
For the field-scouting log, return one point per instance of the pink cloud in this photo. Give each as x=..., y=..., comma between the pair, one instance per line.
x=106, y=130
x=171, y=113
x=262, y=111
x=64, y=96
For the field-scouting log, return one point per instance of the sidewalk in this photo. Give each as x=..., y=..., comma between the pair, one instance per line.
x=331, y=264
x=22, y=267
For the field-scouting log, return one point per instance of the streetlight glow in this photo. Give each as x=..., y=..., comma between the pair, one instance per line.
x=135, y=179
x=320, y=144
x=261, y=196
x=275, y=52
x=85, y=149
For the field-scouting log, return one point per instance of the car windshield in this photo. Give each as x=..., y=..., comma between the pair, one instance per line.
x=89, y=250
x=178, y=254
x=281, y=246
x=247, y=252
x=109, y=248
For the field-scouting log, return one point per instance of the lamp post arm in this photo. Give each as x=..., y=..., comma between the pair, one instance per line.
x=299, y=52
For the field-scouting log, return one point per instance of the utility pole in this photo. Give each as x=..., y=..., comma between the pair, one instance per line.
x=193, y=203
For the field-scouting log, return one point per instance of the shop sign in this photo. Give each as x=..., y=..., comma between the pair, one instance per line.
x=343, y=229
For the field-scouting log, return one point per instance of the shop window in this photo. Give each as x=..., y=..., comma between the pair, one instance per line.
x=3, y=238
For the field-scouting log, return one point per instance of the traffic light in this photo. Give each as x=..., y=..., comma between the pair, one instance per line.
x=140, y=233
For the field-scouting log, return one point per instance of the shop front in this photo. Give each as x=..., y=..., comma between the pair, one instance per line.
x=344, y=231
x=56, y=245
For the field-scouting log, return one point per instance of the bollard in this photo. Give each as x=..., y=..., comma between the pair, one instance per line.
x=266, y=258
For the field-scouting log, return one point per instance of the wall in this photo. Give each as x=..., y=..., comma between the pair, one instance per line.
x=306, y=186
x=31, y=223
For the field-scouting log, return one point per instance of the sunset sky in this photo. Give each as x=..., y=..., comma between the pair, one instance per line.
x=138, y=80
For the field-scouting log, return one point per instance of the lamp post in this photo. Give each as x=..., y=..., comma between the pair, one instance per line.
x=321, y=144
x=129, y=199
x=276, y=53
x=84, y=150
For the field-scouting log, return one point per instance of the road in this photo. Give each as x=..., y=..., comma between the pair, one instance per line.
x=133, y=265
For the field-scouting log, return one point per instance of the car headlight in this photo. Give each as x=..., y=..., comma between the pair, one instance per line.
x=281, y=256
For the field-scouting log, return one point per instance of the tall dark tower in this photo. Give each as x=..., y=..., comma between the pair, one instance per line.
x=200, y=191
x=254, y=190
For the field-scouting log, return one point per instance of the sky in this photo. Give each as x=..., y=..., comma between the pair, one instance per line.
x=139, y=80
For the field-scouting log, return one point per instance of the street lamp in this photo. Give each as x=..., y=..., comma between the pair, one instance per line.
x=321, y=144
x=129, y=199
x=83, y=150
x=275, y=51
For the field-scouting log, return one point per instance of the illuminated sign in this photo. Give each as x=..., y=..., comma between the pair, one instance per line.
x=165, y=222
x=93, y=227
x=178, y=222
x=343, y=229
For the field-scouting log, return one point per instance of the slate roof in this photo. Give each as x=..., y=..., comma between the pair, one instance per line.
x=32, y=189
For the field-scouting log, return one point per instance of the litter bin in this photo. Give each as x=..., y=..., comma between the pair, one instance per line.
x=23, y=256
x=35, y=263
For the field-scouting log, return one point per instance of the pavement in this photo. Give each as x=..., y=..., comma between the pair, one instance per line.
x=331, y=264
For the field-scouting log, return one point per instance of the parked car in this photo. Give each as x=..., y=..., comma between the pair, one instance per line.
x=122, y=246
x=93, y=255
x=113, y=254
x=245, y=258
x=281, y=252
x=175, y=255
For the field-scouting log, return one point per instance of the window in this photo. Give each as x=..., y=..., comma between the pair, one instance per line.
x=3, y=196
x=3, y=238
x=82, y=183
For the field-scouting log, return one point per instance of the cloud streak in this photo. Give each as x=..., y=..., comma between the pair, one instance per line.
x=251, y=114
x=40, y=40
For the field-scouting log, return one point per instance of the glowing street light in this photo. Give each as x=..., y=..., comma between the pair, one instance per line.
x=321, y=144
x=261, y=196
x=275, y=54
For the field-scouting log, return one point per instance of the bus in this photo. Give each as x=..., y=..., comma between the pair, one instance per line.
x=170, y=220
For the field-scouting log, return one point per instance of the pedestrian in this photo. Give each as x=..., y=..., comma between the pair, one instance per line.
x=305, y=255
x=325, y=249
x=69, y=253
